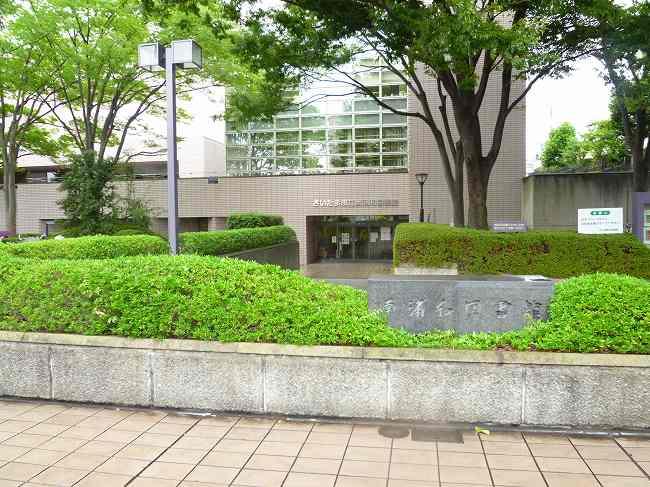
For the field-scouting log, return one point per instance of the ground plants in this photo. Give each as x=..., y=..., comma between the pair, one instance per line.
x=253, y=220
x=220, y=243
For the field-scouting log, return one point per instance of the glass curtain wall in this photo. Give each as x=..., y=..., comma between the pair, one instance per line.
x=328, y=129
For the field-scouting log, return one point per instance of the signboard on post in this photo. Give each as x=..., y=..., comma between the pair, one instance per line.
x=600, y=220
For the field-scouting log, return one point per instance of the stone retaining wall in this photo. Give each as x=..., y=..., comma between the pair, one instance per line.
x=543, y=389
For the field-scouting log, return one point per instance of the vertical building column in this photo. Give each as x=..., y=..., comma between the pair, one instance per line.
x=216, y=223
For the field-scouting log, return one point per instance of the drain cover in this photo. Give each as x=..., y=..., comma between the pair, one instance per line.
x=394, y=431
x=436, y=434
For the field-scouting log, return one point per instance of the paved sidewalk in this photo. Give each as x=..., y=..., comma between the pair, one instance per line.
x=50, y=444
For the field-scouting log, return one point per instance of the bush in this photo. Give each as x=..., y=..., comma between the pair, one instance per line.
x=129, y=231
x=96, y=247
x=553, y=254
x=184, y=297
x=253, y=220
x=229, y=241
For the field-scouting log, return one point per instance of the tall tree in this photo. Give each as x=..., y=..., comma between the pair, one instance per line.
x=561, y=149
x=26, y=102
x=463, y=44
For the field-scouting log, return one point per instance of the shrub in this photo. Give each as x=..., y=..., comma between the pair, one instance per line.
x=253, y=220
x=554, y=254
x=229, y=241
x=95, y=247
x=129, y=231
x=185, y=297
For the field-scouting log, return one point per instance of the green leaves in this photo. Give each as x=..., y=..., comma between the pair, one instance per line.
x=230, y=241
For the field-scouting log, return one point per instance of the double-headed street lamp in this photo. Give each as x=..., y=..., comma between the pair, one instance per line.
x=156, y=57
x=421, y=178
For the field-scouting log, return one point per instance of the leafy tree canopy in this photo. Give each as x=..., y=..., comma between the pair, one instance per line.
x=561, y=148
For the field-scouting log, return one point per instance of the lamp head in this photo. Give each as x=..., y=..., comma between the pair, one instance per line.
x=151, y=56
x=187, y=53
x=421, y=177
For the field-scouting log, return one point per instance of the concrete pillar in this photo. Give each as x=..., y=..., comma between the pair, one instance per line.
x=216, y=223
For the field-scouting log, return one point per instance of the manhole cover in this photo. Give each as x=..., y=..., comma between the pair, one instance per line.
x=435, y=434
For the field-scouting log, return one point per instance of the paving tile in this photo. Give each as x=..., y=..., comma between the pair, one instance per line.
x=13, y=426
x=293, y=425
x=408, y=444
x=634, y=442
x=41, y=457
x=287, y=436
x=517, y=478
x=414, y=483
x=61, y=477
x=151, y=482
x=354, y=468
x=226, y=459
x=374, y=441
x=328, y=438
x=409, y=471
x=602, y=452
x=223, y=421
x=317, y=450
x=118, y=436
x=639, y=454
x=516, y=462
x=168, y=429
x=645, y=466
x=367, y=453
x=570, y=480
x=183, y=455
x=107, y=448
x=270, y=462
x=46, y=429
x=206, y=473
x=63, y=444
x=180, y=419
x=27, y=440
x=196, y=443
x=122, y=466
x=251, y=422
x=563, y=465
x=592, y=441
x=65, y=419
x=188, y=483
x=170, y=471
x=343, y=481
x=260, y=478
x=297, y=479
x=422, y=457
x=8, y=453
x=252, y=434
x=610, y=467
x=546, y=439
x=468, y=446
x=243, y=446
x=151, y=439
x=464, y=475
x=333, y=428
x=210, y=432
x=608, y=481
x=316, y=465
x=510, y=436
x=20, y=471
x=553, y=450
x=82, y=433
x=140, y=452
x=279, y=448
x=506, y=448
x=460, y=459
x=11, y=483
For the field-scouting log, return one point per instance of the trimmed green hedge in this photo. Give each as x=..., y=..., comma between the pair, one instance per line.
x=253, y=220
x=95, y=247
x=232, y=300
x=553, y=254
x=230, y=241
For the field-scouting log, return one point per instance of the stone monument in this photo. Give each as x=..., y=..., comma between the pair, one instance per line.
x=462, y=303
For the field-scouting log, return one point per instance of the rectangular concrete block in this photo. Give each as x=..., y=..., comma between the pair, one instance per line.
x=464, y=392
x=325, y=387
x=101, y=375
x=588, y=396
x=211, y=381
x=24, y=370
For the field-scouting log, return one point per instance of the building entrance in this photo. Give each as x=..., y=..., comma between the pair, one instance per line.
x=357, y=237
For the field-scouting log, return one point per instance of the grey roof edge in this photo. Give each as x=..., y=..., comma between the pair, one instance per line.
x=349, y=352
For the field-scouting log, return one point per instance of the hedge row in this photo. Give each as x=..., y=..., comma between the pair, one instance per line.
x=94, y=247
x=553, y=254
x=232, y=300
x=220, y=243
x=253, y=220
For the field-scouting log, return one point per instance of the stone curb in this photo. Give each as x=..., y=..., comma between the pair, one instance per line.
x=372, y=353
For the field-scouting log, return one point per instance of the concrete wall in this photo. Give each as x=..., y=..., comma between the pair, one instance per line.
x=546, y=389
x=285, y=255
x=551, y=201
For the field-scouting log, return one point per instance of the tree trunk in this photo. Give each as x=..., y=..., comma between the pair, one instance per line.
x=477, y=215
x=9, y=182
x=459, y=195
x=640, y=168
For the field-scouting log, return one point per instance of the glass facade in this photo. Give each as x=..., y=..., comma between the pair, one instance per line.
x=328, y=129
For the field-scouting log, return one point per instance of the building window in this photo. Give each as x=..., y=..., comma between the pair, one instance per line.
x=322, y=133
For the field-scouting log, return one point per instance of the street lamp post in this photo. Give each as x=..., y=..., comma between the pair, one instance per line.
x=155, y=57
x=421, y=179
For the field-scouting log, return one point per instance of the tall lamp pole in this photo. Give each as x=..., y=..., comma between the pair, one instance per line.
x=156, y=57
x=421, y=179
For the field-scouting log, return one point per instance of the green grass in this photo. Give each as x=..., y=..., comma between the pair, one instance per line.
x=553, y=254
x=228, y=300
